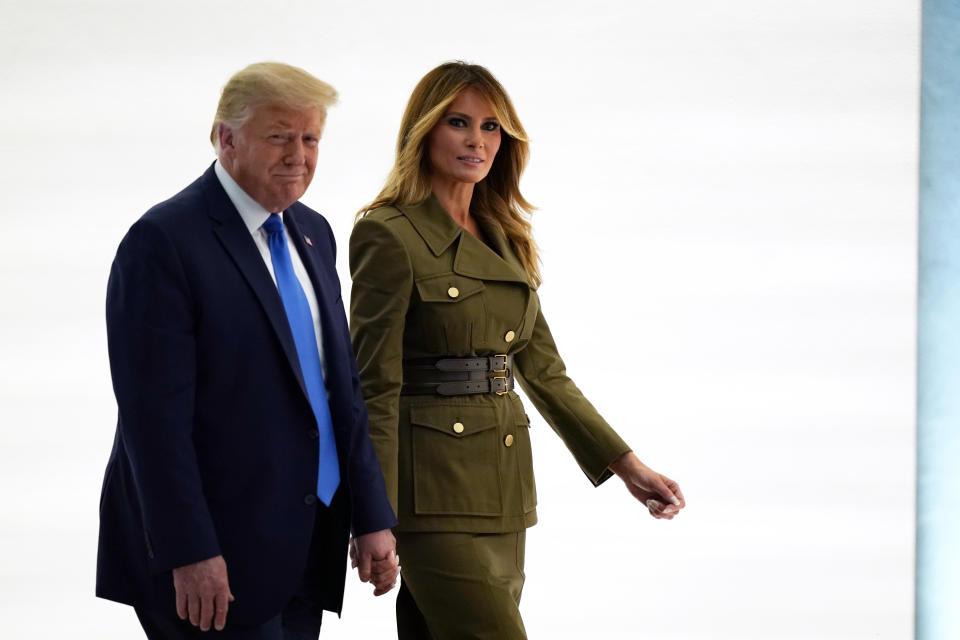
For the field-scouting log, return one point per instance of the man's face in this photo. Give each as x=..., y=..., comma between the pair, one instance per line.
x=273, y=155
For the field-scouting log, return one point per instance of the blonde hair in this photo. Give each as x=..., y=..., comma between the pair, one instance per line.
x=497, y=197
x=268, y=82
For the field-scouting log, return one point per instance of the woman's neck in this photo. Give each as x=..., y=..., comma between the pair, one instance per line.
x=455, y=198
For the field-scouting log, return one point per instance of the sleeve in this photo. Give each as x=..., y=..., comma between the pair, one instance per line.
x=543, y=377
x=382, y=284
x=151, y=341
x=370, y=507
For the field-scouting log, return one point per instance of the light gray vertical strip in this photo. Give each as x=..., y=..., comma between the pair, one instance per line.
x=938, y=366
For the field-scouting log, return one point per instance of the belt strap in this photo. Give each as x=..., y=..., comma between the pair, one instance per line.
x=486, y=363
x=458, y=376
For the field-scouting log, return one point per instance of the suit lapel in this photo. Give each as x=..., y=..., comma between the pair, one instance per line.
x=326, y=285
x=320, y=277
x=235, y=238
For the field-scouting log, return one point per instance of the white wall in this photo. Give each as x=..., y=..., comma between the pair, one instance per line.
x=727, y=195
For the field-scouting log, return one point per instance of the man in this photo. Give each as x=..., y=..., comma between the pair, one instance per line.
x=242, y=457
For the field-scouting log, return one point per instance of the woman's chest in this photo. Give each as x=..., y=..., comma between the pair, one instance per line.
x=458, y=307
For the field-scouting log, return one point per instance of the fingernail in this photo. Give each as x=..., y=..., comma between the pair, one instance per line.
x=676, y=501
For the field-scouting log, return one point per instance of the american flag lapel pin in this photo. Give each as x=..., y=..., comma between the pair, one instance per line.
x=308, y=240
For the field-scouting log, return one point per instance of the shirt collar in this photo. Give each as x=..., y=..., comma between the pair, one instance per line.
x=251, y=212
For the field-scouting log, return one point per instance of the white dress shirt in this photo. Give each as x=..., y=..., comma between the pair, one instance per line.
x=254, y=215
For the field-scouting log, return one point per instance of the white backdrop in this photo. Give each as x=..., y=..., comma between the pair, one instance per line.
x=727, y=215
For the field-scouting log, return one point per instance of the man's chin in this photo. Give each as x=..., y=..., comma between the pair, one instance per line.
x=287, y=197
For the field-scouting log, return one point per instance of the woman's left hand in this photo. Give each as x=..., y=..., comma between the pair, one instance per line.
x=660, y=494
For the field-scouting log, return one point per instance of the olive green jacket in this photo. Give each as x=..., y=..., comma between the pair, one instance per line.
x=425, y=287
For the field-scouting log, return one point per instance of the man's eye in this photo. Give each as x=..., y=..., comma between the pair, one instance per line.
x=276, y=137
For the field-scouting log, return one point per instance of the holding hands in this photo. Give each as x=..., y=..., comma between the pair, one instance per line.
x=375, y=555
x=660, y=494
x=203, y=591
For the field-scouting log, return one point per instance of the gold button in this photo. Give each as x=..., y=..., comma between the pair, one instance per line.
x=508, y=440
x=510, y=336
x=458, y=427
x=453, y=292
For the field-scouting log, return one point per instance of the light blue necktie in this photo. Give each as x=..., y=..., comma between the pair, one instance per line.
x=304, y=337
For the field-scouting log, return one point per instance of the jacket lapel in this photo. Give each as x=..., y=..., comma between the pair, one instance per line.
x=326, y=286
x=235, y=238
x=473, y=258
x=477, y=260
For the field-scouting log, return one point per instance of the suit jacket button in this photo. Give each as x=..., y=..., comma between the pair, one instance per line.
x=309, y=499
x=458, y=427
x=313, y=434
x=453, y=292
x=510, y=336
x=508, y=441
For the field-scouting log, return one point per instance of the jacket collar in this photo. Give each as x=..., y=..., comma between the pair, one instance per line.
x=433, y=223
x=474, y=258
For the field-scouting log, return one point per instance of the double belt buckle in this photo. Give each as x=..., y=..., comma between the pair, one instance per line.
x=500, y=374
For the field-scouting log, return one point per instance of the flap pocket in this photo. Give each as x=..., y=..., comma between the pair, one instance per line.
x=456, y=460
x=455, y=420
x=448, y=287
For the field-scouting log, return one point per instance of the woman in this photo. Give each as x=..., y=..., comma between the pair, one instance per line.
x=444, y=317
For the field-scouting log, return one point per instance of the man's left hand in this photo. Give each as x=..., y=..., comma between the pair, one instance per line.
x=375, y=555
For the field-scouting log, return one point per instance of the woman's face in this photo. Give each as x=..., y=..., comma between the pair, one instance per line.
x=462, y=146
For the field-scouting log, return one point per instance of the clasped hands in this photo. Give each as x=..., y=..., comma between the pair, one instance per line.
x=375, y=556
x=203, y=591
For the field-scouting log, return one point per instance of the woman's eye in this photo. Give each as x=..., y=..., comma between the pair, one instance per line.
x=457, y=122
x=491, y=126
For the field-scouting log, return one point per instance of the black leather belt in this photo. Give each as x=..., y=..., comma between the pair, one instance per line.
x=458, y=376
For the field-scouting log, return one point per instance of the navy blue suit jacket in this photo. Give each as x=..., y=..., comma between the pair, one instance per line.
x=215, y=450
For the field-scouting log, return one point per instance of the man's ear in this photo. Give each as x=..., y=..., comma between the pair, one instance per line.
x=226, y=135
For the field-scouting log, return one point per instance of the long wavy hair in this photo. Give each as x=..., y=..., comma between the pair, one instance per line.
x=497, y=197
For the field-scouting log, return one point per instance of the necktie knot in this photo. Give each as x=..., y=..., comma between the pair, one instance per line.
x=273, y=224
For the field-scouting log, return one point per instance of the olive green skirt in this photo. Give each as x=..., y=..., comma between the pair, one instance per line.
x=460, y=586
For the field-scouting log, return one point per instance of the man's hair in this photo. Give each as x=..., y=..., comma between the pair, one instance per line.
x=268, y=83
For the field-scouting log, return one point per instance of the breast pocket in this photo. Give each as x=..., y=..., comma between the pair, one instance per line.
x=455, y=460
x=451, y=313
